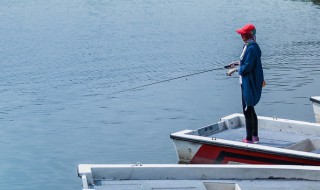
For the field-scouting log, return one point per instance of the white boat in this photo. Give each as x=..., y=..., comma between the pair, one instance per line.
x=316, y=107
x=200, y=177
x=282, y=141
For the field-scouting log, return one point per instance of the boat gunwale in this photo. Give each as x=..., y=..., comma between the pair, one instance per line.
x=93, y=171
x=315, y=99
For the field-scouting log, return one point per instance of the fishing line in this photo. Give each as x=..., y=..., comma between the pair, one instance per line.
x=167, y=80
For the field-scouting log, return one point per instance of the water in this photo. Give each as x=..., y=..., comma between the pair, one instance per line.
x=62, y=60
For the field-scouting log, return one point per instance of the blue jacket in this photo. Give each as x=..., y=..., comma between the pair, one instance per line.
x=252, y=74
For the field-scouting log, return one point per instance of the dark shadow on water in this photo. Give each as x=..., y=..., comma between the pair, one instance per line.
x=316, y=2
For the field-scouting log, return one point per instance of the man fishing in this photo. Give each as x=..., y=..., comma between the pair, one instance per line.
x=251, y=79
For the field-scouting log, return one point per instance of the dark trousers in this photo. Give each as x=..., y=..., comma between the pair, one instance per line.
x=251, y=119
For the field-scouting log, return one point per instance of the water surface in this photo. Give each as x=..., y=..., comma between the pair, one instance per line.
x=62, y=60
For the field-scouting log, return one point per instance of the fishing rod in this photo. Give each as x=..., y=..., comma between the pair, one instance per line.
x=167, y=80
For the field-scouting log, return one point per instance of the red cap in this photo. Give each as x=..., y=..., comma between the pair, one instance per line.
x=246, y=29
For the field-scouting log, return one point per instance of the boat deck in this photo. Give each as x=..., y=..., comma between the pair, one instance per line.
x=268, y=137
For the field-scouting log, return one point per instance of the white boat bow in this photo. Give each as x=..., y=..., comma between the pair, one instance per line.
x=316, y=107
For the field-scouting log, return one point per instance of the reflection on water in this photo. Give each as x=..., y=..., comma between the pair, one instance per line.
x=61, y=60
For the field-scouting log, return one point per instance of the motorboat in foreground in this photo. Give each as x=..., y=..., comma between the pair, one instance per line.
x=282, y=142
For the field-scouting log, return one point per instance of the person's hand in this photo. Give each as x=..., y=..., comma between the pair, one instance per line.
x=232, y=65
x=231, y=71
x=264, y=84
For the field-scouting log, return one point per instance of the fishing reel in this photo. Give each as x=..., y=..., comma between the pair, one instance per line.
x=232, y=67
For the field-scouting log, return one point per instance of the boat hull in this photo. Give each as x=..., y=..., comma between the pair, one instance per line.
x=199, y=153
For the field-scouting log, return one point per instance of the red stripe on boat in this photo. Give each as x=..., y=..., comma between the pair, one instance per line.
x=213, y=154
